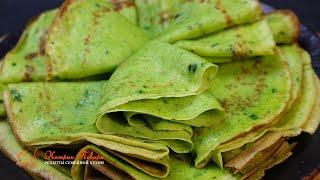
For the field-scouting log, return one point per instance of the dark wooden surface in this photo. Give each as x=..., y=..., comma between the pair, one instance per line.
x=15, y=13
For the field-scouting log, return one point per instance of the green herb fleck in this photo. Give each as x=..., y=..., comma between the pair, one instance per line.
x=14, y=64
x=177, y=15
x=282, y=33
x=98, y=5
x=86, y=93
x=253, y=116
x=81, y=103
x=274, y=90
x=140, y=91
x=165, y=101
x=16, y=95
x=146, y=27
x=214, y=45
x=198, y=174
x=192, y=68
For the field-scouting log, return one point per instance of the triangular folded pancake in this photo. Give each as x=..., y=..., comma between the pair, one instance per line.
x=245, y=41
x=89, y=38
x=173, y=20
x=285, y=26
x=233, y=44
x=26, y=62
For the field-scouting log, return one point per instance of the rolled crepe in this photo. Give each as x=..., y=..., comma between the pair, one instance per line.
x=26, y=62
x=242, y=42
x=253, y=93
x=171, y=21
x=89, y=38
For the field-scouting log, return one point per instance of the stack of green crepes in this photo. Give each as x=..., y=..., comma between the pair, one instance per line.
x=173, y=89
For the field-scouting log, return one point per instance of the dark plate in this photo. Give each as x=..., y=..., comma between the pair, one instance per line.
x=306, y=156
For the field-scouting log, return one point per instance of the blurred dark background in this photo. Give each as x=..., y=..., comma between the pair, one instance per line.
x=15, y=13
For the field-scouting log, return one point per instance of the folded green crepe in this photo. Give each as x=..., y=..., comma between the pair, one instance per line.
x=246, y=41
x=285, y=26
x=233, y=44
x=89, y=38
x=253, y=94
x=26, y=62
x=160, y=102
x=49, y=114
x=299, y=109
x=173, y=20
x=113, y=167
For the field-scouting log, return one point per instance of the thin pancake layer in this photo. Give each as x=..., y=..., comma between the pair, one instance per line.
x=301, y=109
x=253, y=94
x=285, y=26
x=171, y=21
x=26, y=62
x=257, y=152
x=89, y=38
x=283, y=153
x=24, y=159
x=113, y=167
x=313, y=122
